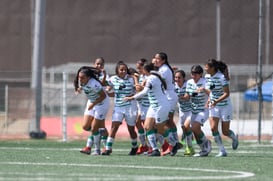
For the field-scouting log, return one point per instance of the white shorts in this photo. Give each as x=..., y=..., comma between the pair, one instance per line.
x=129, y=113
x=183, y=116
x=99, y=111
x=200, y=117
x=172, y=98
x=142, y=111
x=160, y=114
x=224, y=113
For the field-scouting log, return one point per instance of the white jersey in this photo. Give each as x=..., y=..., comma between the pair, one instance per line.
x=216, y=84
x=122, y=88
x=155, y=91
x=198, y=100
x=167, y=75
x=92, y=90
x=159, y=104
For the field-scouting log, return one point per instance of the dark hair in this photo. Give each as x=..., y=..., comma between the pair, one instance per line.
x=101, y=58
x=119, y=64
x=219, y=65
x=142, y=61
x=182, y=72
x=164, y=57
x=89, y=72
x=132, y=71
x=149, y=68
x=197, y=69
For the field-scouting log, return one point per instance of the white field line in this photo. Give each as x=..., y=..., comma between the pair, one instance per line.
x=42, y=176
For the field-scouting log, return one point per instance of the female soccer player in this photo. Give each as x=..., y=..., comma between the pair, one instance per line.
x=97, y=105
x=102, y=76
x=199, y=95
x=220, y=104
x=123, y=85
x=166, y=71
x=158, y=111
x=184, y=104
x=143, y=105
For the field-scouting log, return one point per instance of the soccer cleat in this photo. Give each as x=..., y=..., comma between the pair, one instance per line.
x=166, y=148
x=150, y=150
x=174, y=149
x=221, y=154
x=189, y=151
x=141, y=149
x=133, y=151
x=96, y=153
x=168, y=151
x=235, y=143
x=180, y=145
x=206, y=149
x=201, y=154
x=106, y=152
x=86, y=150
x=155, y=153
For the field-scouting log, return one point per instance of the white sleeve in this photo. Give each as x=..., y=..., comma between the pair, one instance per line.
x=141, y=93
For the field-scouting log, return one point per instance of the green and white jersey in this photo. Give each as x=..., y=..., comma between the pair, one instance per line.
x=92, y=90
x=122, y=88
x=144, y=101
x=198, y=99
x=184, y=105
x=216, y=84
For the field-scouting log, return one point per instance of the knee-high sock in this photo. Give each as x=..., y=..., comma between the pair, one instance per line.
x=218, y=141
x=152, y=139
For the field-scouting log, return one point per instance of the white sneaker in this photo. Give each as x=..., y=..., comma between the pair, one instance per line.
x=201, y=154
x=221, y=154
x=95, y=153
x=206, y=149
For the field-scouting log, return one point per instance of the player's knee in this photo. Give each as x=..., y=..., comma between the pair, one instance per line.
x=86, y=128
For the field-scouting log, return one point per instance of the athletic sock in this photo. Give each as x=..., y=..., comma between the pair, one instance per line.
x=232, y=135
x=141, y=136
x=96, y=136
x=173, y=131
x=152, y=138
x=134, y=143
x=90, y=141
x=103, y=140
x=160, y=138
x=218, y=141
x=188, y=138
x=110, y=142
x=201, y=138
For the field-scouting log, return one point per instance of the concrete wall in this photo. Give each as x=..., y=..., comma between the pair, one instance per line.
x=80, y=30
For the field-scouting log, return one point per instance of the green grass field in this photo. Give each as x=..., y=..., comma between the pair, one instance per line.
x=55, y=160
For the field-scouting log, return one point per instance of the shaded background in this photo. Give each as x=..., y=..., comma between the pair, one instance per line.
x=80, y=31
